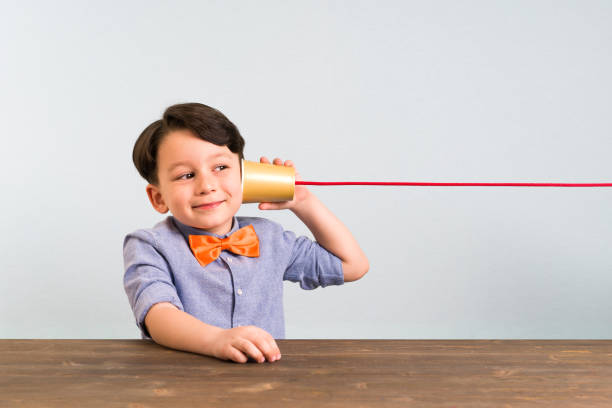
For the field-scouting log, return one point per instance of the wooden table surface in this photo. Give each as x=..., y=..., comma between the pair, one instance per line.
x=311, y=373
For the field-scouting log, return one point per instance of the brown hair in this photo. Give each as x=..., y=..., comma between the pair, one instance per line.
x=205, y=122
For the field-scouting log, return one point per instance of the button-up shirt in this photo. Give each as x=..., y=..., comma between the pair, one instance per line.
x=231, y=291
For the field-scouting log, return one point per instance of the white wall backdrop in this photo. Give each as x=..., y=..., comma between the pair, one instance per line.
x=378, y=90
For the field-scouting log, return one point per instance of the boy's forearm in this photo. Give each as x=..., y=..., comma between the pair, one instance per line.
x=334, y=236
x=176, y=329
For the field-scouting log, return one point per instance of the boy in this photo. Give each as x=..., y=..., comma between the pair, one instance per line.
x=191, y=291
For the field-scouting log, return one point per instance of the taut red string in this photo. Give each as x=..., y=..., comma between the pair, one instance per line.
x=383, y=183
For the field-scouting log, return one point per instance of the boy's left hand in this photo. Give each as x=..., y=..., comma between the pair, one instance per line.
x=300, y=194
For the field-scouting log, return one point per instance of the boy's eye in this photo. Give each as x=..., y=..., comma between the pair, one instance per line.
x=220, y=167
x=185, y=176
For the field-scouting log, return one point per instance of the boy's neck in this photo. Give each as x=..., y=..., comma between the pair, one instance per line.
x=190, y=230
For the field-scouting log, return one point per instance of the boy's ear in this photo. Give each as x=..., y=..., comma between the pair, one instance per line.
x=156, y=199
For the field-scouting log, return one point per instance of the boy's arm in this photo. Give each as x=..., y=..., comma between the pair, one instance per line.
x=176, y=329
x=327, y=229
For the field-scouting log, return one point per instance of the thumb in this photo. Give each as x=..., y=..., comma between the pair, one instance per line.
x=269, y=206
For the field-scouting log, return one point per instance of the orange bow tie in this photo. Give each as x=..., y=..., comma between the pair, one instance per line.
x=207, y=248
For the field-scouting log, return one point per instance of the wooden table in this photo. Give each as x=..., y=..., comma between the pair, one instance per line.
x=313, y=373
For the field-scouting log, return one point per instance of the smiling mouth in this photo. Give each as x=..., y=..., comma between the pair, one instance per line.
x=208, y=206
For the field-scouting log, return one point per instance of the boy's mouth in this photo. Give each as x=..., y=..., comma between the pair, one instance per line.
x=208, y=206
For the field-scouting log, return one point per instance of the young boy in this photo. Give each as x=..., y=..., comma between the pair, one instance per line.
x=191, y=291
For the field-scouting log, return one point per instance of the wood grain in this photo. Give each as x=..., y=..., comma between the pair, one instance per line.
x=311, y=373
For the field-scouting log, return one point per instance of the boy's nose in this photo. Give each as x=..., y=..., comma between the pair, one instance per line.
x=205, y=186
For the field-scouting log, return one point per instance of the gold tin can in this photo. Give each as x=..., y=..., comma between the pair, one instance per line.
x=262, y=182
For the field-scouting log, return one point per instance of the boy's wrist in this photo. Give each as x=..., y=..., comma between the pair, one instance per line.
x=208, y=340
x=305, y=204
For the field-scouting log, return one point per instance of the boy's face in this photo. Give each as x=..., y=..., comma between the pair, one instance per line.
x=199, y=182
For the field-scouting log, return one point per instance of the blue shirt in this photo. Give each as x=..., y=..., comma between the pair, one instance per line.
x=231, y=291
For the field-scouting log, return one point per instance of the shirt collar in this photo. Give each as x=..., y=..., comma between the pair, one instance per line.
x=187, y=230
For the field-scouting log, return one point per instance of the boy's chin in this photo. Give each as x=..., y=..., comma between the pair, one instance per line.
x=219, y=228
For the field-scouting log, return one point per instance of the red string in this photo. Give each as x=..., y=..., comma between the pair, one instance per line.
x=382, y=183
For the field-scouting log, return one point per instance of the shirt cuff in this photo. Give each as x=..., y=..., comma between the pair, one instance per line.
x=155, y=293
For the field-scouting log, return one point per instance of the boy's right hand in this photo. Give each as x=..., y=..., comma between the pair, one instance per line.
x=239, y=343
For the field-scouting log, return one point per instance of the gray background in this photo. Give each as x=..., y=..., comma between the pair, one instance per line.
x=414, y=91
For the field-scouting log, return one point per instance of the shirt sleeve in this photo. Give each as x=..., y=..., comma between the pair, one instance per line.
x=147, y=279
x=310, y=264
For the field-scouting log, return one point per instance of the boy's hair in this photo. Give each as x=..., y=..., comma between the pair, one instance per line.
x=205, y=122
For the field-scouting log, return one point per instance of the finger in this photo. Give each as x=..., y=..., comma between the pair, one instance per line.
x=278, y=161
x=250, y=350
x=266, y=349
x=264, y=159
x=289, y=163
x=272, y=206
x=275, y=349
x=266, y=344
x=237, y=356
x=269, y=348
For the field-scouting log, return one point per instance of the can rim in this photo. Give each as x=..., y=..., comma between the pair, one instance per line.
x=242, y=175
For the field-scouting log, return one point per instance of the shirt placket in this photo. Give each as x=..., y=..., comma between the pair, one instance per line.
x=238, y=291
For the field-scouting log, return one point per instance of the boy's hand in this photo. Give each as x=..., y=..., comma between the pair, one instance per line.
x=239, y=343
x=300, y=195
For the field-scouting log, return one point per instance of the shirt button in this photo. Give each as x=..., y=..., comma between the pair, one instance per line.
x=240, y=292
x=229, y=260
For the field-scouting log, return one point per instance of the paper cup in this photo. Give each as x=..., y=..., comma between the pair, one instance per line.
x=263, y=182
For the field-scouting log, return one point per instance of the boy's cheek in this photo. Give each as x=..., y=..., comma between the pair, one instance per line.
x=236, y=188
x=239, y=195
